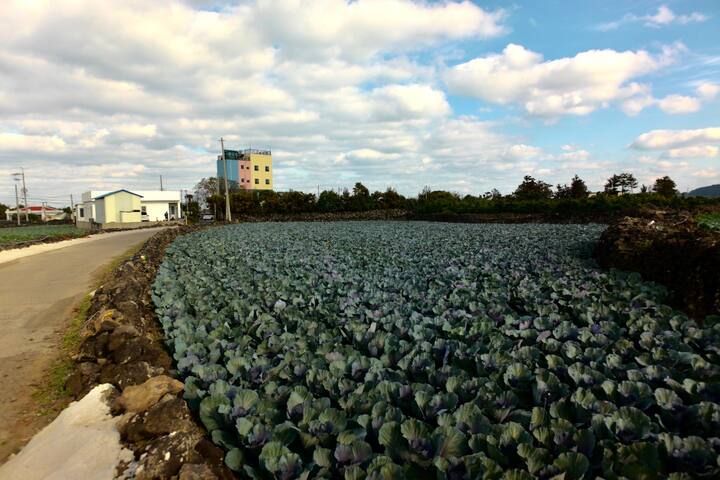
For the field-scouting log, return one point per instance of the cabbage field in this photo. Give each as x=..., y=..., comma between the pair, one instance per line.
x=429, y=350
x=13, y=235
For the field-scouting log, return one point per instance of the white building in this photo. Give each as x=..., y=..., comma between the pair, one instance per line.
x=125, y=208
x=45, y=212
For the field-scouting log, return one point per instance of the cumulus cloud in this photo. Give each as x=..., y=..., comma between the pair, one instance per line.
x=566, y=86
x=338, y=28
x=18, y=142
x=574, y=154
x=396, y=102
x=113, y=94
x=673, y=104
x=699, y=143
x=707, y=90
x=663, y=17
x=148, y=87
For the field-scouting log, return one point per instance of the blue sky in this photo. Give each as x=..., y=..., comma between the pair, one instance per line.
x=453, y=95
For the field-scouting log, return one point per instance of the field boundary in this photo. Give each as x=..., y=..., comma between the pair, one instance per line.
x=123, y=344
x=66, y=238
x=12, y=254
x=674, y=250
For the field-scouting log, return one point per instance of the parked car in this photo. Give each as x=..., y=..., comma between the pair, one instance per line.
x=207, y=218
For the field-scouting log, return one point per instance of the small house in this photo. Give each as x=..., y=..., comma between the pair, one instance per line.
x=127, y=209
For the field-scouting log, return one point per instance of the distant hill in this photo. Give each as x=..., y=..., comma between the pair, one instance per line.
x=709, y=191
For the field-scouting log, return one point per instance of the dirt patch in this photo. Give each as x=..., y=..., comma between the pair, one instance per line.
x=34, y=401
x=123, y=345
x=669, y=248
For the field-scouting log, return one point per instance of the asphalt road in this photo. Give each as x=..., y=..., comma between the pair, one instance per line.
x=37, y=294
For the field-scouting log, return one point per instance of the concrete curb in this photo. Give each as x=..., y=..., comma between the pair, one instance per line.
x=82, y=442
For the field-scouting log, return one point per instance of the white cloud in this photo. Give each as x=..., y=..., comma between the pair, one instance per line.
x=362, y=28
x=316, y=80
x=667, y=139
x=409, y=101
x=113, y=94
x=663, y=17
x=579, y=154
x=675, y=104
x=707, y=91
x=135, y=130
x=699, y=143
x=707, y=173
x=696, y=151
x=523, y=152
x=637, y=104
x=672, y=104
x=16, y=142
x=567, y=86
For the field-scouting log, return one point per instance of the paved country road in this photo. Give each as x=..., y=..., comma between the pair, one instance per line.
x=37, y=294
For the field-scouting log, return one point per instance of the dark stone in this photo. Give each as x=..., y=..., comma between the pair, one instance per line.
x=671, y=249
x=108, y=325
x=124, y=347
x=161, y=419
x=215, y=457
x=128, y=374
x=83, y=378
x=93, y=347
x=166, y=455
x=166, y=417
x=132, y=312
x=196, y=472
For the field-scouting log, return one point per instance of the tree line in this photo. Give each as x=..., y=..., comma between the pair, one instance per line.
x=530, y=196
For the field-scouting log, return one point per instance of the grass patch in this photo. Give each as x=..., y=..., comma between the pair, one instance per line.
x=105, y=273
x=709, y=220
x=51, y=396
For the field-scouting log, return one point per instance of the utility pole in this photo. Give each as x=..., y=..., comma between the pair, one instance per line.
x=72, y=210
x=24, y=191
x=228, y=214
x=42, y=217
x=17, y=206
x=161, y=185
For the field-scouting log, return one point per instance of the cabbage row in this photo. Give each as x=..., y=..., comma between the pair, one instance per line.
x=413, y=350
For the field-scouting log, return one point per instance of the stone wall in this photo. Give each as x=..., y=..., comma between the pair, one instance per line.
x=671, y=249
x=123, y=345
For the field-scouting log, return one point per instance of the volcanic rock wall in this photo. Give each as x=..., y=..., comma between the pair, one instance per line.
x=124, y=346
x=670, y=249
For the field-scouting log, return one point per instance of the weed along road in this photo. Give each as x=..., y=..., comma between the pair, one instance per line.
x=37, y=295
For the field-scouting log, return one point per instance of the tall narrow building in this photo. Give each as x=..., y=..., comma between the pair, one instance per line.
x=251, y=168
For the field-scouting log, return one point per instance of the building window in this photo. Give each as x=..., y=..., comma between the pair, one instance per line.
x=267, y=169
x=143, y=210
x=257, y=168
x=257, y=181
x=267, y=182
x=82, y=212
